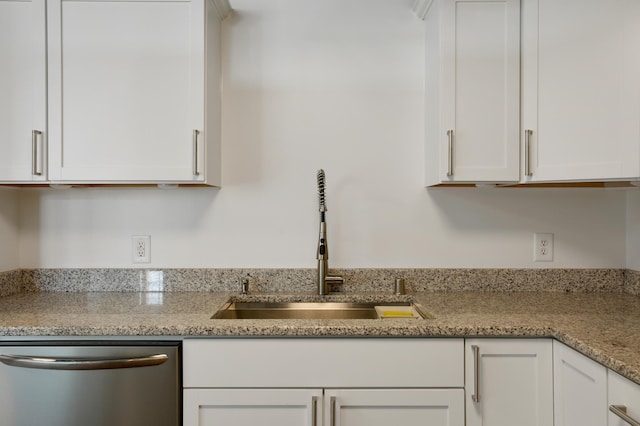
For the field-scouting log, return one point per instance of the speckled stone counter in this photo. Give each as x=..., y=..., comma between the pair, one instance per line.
x=604, y=326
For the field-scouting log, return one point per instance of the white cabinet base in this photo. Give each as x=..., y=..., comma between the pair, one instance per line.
x=338, y=407
x=580, y=389
x=384, y=407
x=623, y=392
x=514, y=382
x=251, y=407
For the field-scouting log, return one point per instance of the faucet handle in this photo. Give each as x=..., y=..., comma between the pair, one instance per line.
x=335, y=279
x=332, y=279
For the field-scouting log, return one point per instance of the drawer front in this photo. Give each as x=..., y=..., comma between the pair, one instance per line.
x=323, y=362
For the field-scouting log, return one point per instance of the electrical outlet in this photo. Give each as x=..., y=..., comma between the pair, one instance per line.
x=542, y=247
x=141, y=245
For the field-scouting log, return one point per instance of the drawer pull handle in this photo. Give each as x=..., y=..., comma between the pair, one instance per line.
x=527, y=153
x=450, y=149
x=36, y=168
x=332, y=411
x=621, y=411
x=476, y=373
x=314, y=411
x=196, y=171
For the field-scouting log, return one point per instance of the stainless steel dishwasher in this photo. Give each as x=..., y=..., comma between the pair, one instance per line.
x=93, y=384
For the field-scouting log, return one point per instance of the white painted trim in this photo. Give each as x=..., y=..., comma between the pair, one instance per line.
x=222, y=7
x=421, y=8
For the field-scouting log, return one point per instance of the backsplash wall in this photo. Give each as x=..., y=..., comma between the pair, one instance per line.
x=9, y=229
x=303, y=280
x=633, y=230
x=298, y=98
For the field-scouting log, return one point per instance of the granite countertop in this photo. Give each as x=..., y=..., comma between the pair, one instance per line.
x=604, y=326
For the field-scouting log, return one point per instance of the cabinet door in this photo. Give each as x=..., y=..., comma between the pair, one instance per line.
x=623, y=393
x=251, y=407
x=580, y=389
x=126, y=90
x=384, y=407
x=476, y=83
x=580, y=89
x=509, y=382
x=23, y=127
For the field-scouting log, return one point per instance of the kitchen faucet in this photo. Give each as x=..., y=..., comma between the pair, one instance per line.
x=323, y=248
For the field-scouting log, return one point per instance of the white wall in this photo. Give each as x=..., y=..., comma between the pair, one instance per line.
x=633, y=230
x=333, y=84
x=8, y=229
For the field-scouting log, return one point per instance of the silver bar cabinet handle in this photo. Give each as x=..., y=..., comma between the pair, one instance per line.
x=476, y=373
x=332, y=411
x=621, y=411
x=450, y=148
x=35, y=152
x=527, y=152
x=195, y=152
x=45, y=363
x=314, y=411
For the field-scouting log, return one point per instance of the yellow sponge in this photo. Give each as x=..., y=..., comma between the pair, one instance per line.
x=391, y=311
x=397, y=314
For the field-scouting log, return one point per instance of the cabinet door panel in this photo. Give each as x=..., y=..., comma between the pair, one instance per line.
x=472, y=91
x=515, y=382
x=250, y=407
x=22, y=89
x=480, y=94
x=580, y=389
x=626, y=393
x=581, y=88
x=127, y=83
x=384, y=407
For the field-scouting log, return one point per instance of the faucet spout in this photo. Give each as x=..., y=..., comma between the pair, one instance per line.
x=322, y=255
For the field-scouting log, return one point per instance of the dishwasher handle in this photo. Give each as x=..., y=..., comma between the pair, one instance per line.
x=46, y=363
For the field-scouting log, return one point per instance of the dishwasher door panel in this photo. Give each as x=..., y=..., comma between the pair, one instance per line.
x=67, y=396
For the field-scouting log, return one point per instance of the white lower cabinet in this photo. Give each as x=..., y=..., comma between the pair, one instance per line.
x=308, y=407
x=580, y=389
x=399, y=381
x=383, y=407
x=323, y=382
x=252, y=407
x=623, y=395
x=509, y=382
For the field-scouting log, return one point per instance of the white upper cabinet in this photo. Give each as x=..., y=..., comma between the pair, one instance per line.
x=472, y=90
x=134, y=91
x=580, y=90
x=23, y=114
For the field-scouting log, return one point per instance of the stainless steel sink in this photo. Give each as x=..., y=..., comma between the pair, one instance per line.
x=306, y=310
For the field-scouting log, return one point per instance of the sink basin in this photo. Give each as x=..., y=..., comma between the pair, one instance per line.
x=317, y=310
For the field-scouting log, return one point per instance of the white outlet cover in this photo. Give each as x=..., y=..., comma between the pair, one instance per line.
x=141, y=248
x=543, y=247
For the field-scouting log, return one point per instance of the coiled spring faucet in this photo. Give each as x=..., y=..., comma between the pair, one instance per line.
x=323, y=248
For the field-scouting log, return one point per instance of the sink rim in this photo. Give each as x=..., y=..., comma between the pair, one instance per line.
x=296, y=310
